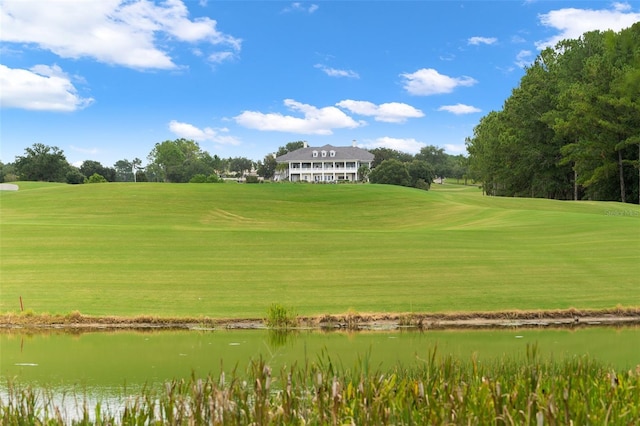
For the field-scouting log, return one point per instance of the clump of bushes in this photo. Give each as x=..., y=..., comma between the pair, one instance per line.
x=279, y=316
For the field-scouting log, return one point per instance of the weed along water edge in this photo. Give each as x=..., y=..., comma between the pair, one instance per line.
x=402, y=374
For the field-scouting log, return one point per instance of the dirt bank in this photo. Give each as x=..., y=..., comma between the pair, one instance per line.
x=350, y=321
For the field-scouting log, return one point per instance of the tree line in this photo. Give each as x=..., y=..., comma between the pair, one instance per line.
x=183, y=160
x=571, y=129
x=180, y=160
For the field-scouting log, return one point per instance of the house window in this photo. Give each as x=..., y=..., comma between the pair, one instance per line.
x=315, y=153
x=324, y=153
x=332, y=153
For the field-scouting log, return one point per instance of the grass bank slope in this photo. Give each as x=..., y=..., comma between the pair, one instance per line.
x=230, y=251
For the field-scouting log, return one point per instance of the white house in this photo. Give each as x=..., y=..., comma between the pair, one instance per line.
x=327, y=163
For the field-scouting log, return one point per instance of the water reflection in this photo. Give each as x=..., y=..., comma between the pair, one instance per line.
x=117, y=359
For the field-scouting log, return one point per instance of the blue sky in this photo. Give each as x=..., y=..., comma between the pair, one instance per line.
x=106, y=80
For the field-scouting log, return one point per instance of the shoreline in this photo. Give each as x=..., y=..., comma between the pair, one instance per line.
x=567, y=318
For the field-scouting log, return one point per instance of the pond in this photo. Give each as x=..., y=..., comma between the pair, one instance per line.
x=102, y=361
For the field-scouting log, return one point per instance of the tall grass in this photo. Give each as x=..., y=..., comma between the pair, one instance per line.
x=436, y=390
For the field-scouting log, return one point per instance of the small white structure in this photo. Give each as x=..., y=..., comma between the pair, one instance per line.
x=326, y=164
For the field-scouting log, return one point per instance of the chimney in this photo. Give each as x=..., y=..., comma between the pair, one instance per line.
x=353, y=144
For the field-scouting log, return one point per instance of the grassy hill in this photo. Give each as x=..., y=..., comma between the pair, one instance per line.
x=232, y=250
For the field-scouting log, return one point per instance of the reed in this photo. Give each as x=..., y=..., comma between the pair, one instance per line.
x=436, y=390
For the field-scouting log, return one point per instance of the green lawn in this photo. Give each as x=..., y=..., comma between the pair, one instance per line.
x=232, y=250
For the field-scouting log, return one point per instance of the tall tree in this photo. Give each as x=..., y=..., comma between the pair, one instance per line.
x=178, y=160
x=382, y=154
x=42, y=163
x=391, y=172
x=267, y=167
x=289, y=147
x=90, y=167
x=570, y=129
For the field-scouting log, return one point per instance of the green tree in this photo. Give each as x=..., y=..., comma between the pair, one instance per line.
x=267, y=168
x=178, y=160
x=363, y=172
x=437, y=159
x=124, y=170
x=8, y=172
x=391, y=172
x=74, y=176
x=42, y=163
x=289, y=147
x=570, y=129
x=96, y=178
x=239, y=165
x=90, y=167
x=382, y=154
x=421, y=174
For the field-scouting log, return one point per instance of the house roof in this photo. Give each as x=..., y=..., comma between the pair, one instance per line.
x=343, y=153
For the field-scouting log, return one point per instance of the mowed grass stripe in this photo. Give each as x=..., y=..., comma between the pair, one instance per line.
x=232, y=250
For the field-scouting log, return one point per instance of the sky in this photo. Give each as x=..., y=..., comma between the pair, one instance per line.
x=106, y=80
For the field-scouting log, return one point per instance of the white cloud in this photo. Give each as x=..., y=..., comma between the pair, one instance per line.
x=427, y=81
x=300, y=7
x=315, y=121
x=119, y=32
x=482, y=40
x=408, y=145
x=333, y=72
x=572, y=23
x=219, y=57
x=392, y=112
x=524, y=58
x=455, y=149
x=459, y=109
x=189, y=131
x=42, y=88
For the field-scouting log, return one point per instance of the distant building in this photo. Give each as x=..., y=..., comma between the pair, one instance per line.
x=326, y=164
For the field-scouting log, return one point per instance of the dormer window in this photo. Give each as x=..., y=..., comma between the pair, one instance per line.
x=332, y=153
x=315, y=153
x=324, y=153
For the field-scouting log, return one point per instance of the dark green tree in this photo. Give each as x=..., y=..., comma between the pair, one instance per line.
x=90, y=167
x=239, y=165
x=437, y=159
x=421, y=174
x=74, y=176
x=267, y=167
x=42, y=163
x=178, y=161
x=291, y=146
x=382, y=154
x=391, y=172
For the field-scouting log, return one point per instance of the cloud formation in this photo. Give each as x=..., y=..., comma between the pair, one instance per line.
x=392, y=112
x=314, y=121
x=524, y=58
x=41, y=88
x=189, y=131
x=427, y=81
x=132, y=34
x=333, y=72
x=459, y=109
x=481, y=40
x=572, y=23
x=409, y=145
x=300, y=7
